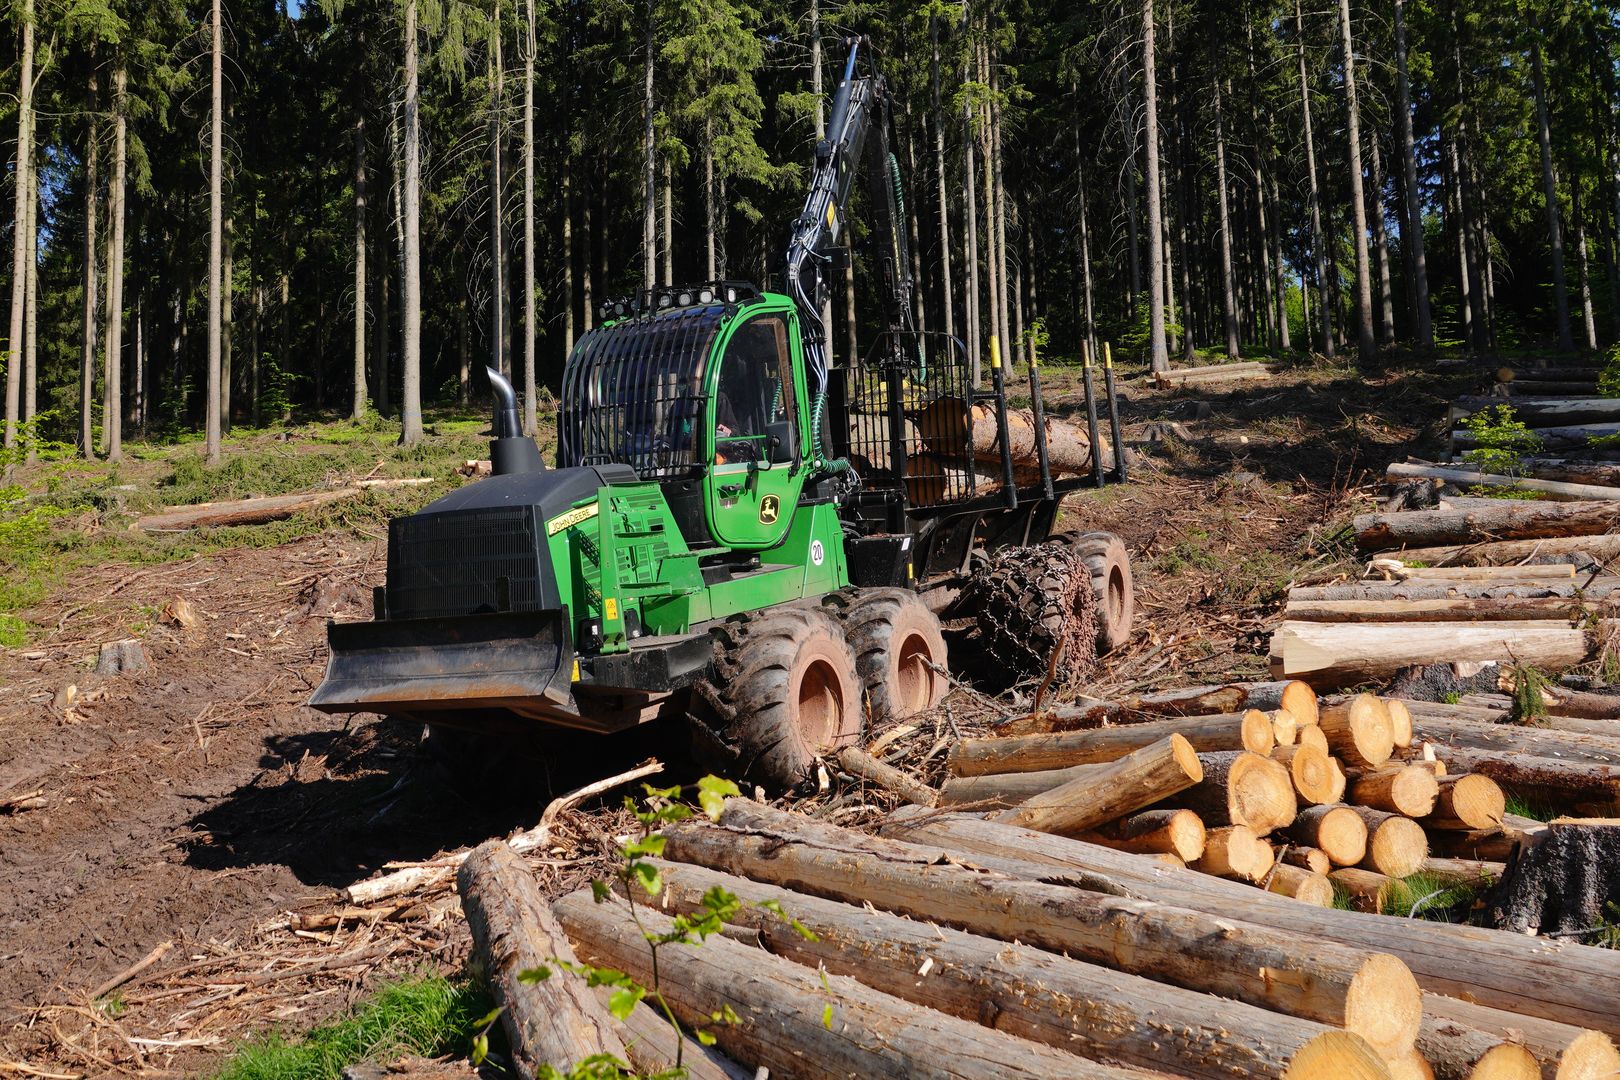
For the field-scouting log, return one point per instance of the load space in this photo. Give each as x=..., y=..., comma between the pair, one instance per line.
x=740, y=533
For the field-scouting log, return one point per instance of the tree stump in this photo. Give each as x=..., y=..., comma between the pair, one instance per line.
x=121, y=658
x=1562, y=880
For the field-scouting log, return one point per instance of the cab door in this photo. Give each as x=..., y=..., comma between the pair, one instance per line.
x=754, y=429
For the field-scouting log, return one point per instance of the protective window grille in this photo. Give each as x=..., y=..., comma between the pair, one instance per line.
x=926, y=374
x=633, y=393
x=456, y=564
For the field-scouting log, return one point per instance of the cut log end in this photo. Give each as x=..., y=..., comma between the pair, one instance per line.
x=1590, y=1056
x=1359, y=730
x=1470, y=801
x=1404, y=789
x=1385, y=1005
x=1258, y=735
x=1337, y=831
x=1400, y=723
x=1342, y=1055
x=1303, y=885
x=1234, y=851
x=1396, y=846
x=1506, y=1061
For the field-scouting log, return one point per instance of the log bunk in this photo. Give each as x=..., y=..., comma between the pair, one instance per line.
x=1177, y=892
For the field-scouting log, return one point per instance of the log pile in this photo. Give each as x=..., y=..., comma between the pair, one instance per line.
x=956, y=945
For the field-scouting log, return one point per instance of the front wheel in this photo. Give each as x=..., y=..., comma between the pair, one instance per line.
x=782, y=691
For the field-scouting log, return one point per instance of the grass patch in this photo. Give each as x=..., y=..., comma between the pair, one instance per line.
x=65, y=514
x=427, y=1016
x=1520, y=806
x=1427, y=896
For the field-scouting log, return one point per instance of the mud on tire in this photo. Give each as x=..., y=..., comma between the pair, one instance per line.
x=1028, y=602
x=1109, y=564
x=782, y=690
x=898, y=646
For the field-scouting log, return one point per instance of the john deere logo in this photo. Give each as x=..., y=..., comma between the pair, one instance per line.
x=769, y=507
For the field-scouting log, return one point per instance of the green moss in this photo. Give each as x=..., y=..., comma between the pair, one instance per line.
x=427, y=1016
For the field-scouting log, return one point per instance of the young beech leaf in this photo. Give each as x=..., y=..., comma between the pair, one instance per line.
x=704, y=1037
x=601, y=890
x=712, y=794
x=623, y=1002
x=649, y=878
x=534, y=975
x=826, y=1017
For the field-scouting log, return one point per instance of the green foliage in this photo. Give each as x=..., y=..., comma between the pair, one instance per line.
x=1427, y=896
x=1609, y=378
x=1519, y=806
x=427, y=1016
x=1502, y=442
x=1529, y=703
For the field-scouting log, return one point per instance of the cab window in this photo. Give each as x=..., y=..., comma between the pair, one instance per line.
x=754, y=400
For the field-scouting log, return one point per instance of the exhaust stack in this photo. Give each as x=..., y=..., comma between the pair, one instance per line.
x=510, y=451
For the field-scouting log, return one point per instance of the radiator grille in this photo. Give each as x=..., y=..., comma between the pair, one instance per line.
x=453, y=563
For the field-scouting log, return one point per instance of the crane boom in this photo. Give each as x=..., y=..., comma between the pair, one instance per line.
x=859, y=126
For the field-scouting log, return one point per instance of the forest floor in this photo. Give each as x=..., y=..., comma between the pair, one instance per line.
x=200, y=803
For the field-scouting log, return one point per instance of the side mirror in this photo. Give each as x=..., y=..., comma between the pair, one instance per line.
x=781, y=442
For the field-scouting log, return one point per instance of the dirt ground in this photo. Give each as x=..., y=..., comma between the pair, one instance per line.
x=198, y=803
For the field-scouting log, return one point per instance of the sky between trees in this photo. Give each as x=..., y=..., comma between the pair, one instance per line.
x=347, y=206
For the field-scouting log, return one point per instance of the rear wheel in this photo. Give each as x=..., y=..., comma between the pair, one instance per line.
x=1109, y=565
x=899, y=649
x=1032, y=604
x=782, y=691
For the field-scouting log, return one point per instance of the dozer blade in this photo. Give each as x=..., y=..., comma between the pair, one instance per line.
x=520, y=661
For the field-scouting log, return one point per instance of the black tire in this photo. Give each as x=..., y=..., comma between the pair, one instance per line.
x=1030, y=602
x=900, y=651
x=782, y=691
x=1109, y=565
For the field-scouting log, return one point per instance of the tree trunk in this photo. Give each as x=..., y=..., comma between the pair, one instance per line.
x=1412, y=233
x=1549, y=190
x=1588, y=320
x=30, y=390
x=1062, y=1003
x=357, y=408
x=112, y=413
x=1366, y=347
x=709, y=218
x=497, y=195
x=970, y=221
x=216, y=238
x=1030, y=753
x=1371, y=994
x=1158, y=350
x=649, y=153
x=1089, y=326
x=1223, y=195
x=530, y=328
x=667, y=226
x=1509, y=972
x=1130, y=783
x=1386, y=297
x=1318, y=236
x=779, y=1033
x=947, y=293
x=410, y=412
x=227, y=305
x=587, y=283
x=92, y=220
x=19, y=241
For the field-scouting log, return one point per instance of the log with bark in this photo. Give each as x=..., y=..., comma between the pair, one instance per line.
x=1305, y=598
x=557, y=1021
x=1004, y=790
x=1240, y=788
x=1466, y=802
x=1234, y=851
x=1329, y=655
x=1548, y=412
x=1524, y=738
x=240, y=512
x=1573, y=470
x=1084, y=1009
x=1509, y=552
x=1035, y=753
x=1307, y=858
x=1297, y=697
x=1396, y=845
x=1156, y=832
x=1368, y=890
x=1561, y=437
x=1453, y=609
x=1512, y=972
x=1452, y=869
x=1359, y=731
x=1410, y=790
x=797, y=1022
x=1366, y=992
x=1303, y=885
x=1513, y=520
x=1400, y=723
x=859, y=763
x=1316, y=778
x=1137, y=780
x=952, y=430
x=1560, y=490
x=1335, y=830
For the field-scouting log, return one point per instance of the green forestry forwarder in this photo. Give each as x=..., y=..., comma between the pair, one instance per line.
x=740, y=534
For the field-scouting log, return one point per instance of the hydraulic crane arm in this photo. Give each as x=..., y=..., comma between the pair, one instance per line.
x=860, y=122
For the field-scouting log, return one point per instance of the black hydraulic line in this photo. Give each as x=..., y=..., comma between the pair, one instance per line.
x=1091, y=415
x=1038, y=409
x=1120, y=473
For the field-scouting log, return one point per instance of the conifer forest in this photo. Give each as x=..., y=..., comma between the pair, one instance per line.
x=226, y=212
